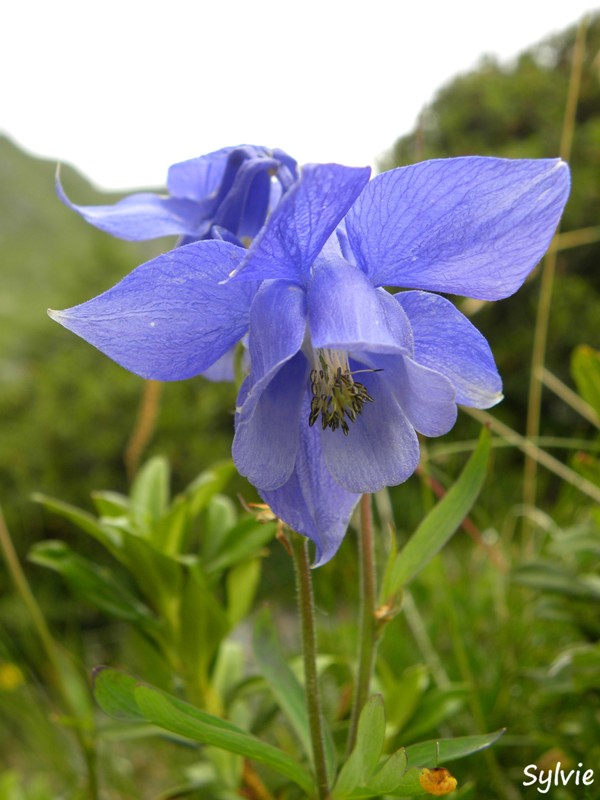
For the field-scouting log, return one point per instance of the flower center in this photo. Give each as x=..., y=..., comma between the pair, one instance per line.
x=335, y=392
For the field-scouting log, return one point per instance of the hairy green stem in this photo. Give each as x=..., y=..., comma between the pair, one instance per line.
x=367, y=621
x=306, y=610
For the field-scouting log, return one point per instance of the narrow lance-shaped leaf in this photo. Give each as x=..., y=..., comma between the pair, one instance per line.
x=157, y=575
x=241, y=584
x=367, y=751
x=406, y=785
x=107, y=536
x=125, y=698
x=111, y=504
x=203, y=624
x=99, y=586
x=280, y=679
x=178, y=717
x=207, y=484
x=388, y=777
x=440, y=751
x=114, y=693
x=150, y=493
x=440, y=524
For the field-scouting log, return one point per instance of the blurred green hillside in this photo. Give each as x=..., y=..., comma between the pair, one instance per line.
x=67, y=412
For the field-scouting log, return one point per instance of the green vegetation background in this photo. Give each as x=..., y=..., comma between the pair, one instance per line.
x=67, y=412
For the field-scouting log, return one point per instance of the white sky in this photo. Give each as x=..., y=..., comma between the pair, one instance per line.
x=122, y=89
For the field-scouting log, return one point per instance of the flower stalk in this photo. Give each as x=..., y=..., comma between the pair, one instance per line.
x=299, y=548
x=367, y=641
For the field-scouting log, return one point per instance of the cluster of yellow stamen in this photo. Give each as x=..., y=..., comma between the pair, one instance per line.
x=335, y=393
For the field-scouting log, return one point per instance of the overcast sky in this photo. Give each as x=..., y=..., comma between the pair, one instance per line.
x=122, y=89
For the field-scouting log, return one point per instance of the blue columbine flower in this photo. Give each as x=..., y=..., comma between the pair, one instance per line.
x=343, y=373
x=223, y=195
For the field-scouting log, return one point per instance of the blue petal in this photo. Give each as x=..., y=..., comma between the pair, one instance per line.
x=427, y=397
x=170, y=318
x=268, y=426
x=311, y=502
x=471, y=226
x=266, y=437
x=198, y=178
x=381, y=448
x=301, y=224
x=244, y=207
x=141, y=216
x=346, y=312
x=277, y=327
x=447, y=342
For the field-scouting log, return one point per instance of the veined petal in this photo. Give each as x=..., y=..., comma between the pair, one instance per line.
x=268, y=424
x=171, y=318
x=447, y=342
x=381, y=448
x=346, y=312
x=472, y=226
x=244, y=208
x=311, y=502
x=197, y=178
x=268, y=418
x=141, y=216
x=213, y=174
x=427, y=397
x=277, y=327
x=301, y=224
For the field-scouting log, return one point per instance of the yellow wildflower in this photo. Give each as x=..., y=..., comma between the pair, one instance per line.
x=437, y=781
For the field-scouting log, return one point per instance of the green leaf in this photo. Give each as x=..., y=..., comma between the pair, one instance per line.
x=219, y=516
x=363, y=760
x=245, y=540
x=150, y=493
x=547, y=576
x=204, y=624
x=388, y=776
x=208, y=484
x=241, y=585
x=436, y=707
x=107, y=536
x=429, y=754
x=280, y=679
x=170, y=533
x=406, y=785
x=158, y=576
x=111, y=504
x=99, y=586
x=228, y=670
x=179, y=717
x=115, y=694
x=439, y=525
x=403, y=692
x=585, y=368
